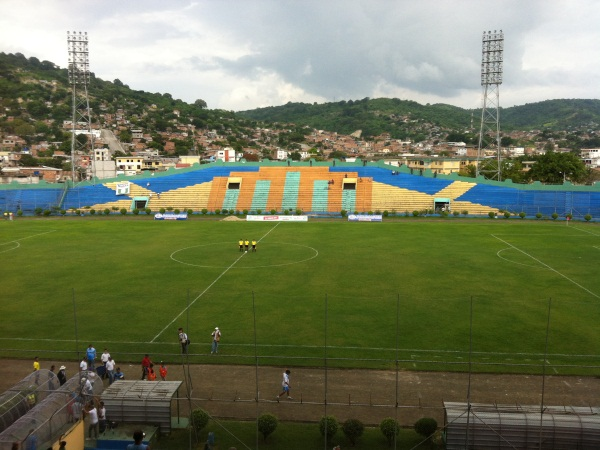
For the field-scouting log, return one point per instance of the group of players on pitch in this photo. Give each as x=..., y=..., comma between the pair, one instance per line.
x=245, y=245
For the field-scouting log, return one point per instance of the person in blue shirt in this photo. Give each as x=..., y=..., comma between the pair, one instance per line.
x=91, y=356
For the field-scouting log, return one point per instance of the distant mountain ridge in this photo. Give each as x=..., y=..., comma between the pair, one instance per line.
x=33, y=89
x=375, y=116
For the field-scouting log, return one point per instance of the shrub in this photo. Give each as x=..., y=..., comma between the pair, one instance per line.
x=267, y=424
x=444, y=214
x=190, y=211
x=77, y=212
x=456, y=213
x=569, y=216
x=390, y=429
x=199, y=419
x=343, y=212
x=38, y=211
x=554, y=216
x=148, y=211
x=245, y=212
x=286, y=212
x=538, y=215
x=385, y=213
x=217, y=211
x=522, y=214
x=259, y=211
x=169, y=208
x=162, y=210
x=491, y=214
x=20, y=212
x=587, y=217
x=204, y=211
x=106, y=211
x=115, y=208
x=353, y=429
x=176, y=211
x=92, y=211
x=370, y=213
x=506, y=215
x=415, y=213
x=426, y=427
x=464, y=212
x=273, y=212
x=330, y=425
x=136, y=211
x=298, y=212
x=123, y=211
x=63, y=212
x=231, y=211
x=47, y=212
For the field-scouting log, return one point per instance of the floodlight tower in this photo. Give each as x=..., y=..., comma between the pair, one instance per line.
x=79, y=78
x=491, y=79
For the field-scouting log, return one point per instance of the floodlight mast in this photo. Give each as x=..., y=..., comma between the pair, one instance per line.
x=79, y=78
x=492, y=59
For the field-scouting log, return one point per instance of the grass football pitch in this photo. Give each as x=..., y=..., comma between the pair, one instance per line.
x=504, y=295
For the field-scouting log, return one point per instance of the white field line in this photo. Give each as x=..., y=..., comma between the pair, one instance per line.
x=205, y=290
x=336, y=347
x=586, y=231
x=548, y=267
x=28, y=237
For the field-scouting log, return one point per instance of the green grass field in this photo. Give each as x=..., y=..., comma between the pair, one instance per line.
x=358, y=294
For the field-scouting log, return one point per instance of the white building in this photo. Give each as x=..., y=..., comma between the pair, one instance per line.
x=591, y=157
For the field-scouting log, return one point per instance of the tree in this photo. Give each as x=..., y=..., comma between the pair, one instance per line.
x=200, y=104
x=328, y=426
x=390, y=429
x=267, y=424
x=426, y=427
x=554, y=168
x=353, y=429
x=200, y=417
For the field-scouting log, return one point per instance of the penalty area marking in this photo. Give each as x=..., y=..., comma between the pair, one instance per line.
x=18, y=243
x=228, y=244
x=547, y=266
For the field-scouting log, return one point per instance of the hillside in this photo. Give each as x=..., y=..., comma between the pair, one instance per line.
x=398, y=117
x=35, y=99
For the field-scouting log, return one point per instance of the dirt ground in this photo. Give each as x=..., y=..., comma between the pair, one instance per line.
x=227, y=391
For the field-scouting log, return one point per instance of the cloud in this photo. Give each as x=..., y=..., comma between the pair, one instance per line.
x=237, y=54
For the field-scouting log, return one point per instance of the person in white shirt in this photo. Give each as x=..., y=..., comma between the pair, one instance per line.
x=92, y=414
x=285, y=385
x=183, y=340
x=83, y=365
x=104, y=356
x=110, y=369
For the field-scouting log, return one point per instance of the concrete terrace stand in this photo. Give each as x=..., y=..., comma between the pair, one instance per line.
x=141, y=402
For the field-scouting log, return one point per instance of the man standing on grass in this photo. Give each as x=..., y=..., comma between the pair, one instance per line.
x=253, y=245
x=184, y=341
x=216, y=335
x=241, y=244
x=285, y=384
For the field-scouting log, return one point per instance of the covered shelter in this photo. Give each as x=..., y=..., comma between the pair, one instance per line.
x=482, y=426
x=142, y=401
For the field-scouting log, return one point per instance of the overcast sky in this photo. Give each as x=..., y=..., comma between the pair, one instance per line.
x=245, y=54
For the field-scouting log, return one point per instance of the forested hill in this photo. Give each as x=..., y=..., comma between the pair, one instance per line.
x=374, y=116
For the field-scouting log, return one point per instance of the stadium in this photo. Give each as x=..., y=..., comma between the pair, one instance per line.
x=374, y=319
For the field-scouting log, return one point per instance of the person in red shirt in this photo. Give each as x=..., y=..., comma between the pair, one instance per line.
x=162, y=370
x=146, y=363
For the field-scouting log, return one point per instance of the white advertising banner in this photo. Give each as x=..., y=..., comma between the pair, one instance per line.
x=122, y=188
x=365, y=218
x=276, y=218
